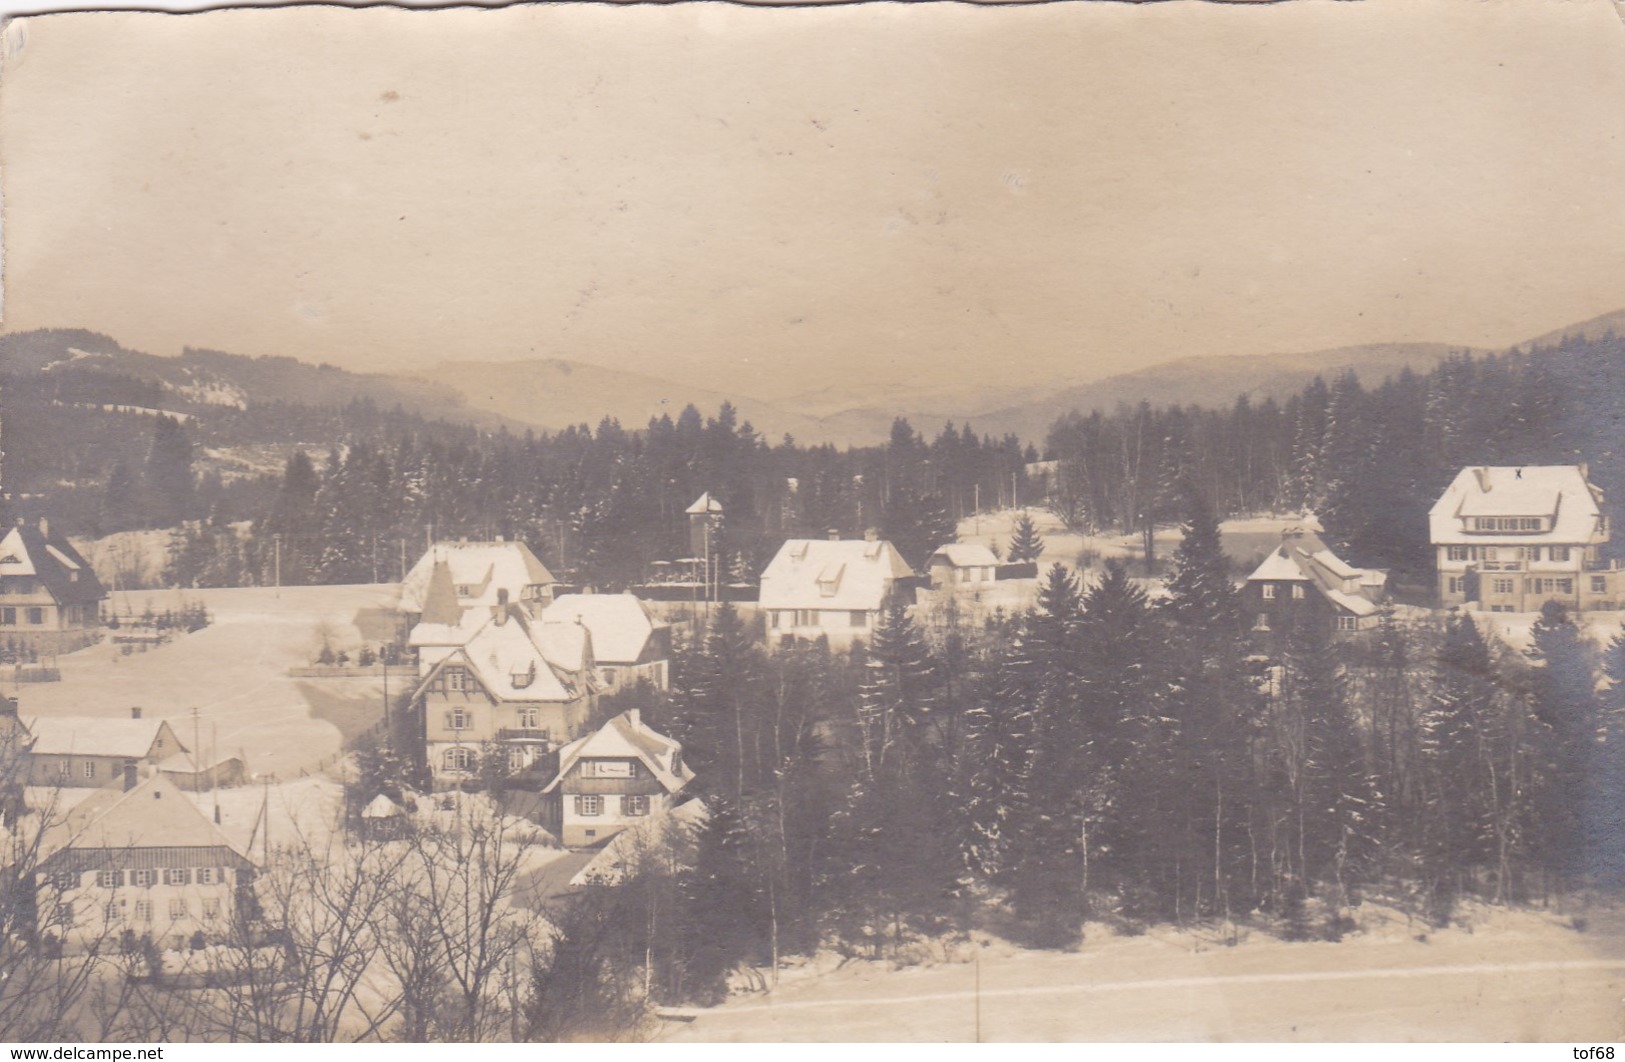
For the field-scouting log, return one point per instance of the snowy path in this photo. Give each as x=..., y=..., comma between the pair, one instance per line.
x=1137, y=991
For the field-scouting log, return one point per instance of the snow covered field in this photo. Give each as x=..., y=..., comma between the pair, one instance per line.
x=1520, y=976
x=235, y=673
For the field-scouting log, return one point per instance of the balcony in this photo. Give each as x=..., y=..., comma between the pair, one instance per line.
x=1608, y=564
x=1501, y=566
x=523, y=734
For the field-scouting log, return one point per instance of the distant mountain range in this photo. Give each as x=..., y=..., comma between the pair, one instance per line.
x=553, y=394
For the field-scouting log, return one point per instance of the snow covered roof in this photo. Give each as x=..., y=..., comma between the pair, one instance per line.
x=381, y=807
x=468, y=624
x=520, y=659
x=483, y=567
x=622, y=738
x=964, y=555
x=608, y=865
x=1341, y=583
x=620, y=624
x=154, y=814
x=30, y=549
x=810, y=573
x=704, y=504
x=1560, y=493
x=76, y=735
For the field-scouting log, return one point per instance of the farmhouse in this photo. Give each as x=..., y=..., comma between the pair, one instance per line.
x=139, y=860
x=1509, y=539
x=84, y=751
x=613, y=778
x=514, y=686
x=482, y=574
x=962, y=564
x=628, y=644
x=831, y=588
x=50, y=599
x=1304, y=582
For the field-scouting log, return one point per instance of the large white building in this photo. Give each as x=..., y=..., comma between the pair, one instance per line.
x=482, y=574
x=832, y=588
x=628, y=644
x=1509, y=539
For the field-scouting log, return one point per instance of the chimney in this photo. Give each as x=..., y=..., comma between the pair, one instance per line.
x=1585, y=472
x=634, y=717
x=502, y=592
x=135, y=713
x=8, y=705
x=129, y=777
x=871, y=535
x=499, y=613
x=1483, y=475
x=834, y=534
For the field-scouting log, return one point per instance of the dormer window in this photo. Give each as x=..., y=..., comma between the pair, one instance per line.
x=522, y=679
x=464, y=590
x=829, y=580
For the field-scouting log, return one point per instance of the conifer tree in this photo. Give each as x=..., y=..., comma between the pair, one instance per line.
x=1025, y=543
x=1564, y=699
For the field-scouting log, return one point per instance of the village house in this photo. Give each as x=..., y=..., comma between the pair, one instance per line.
x=482, y=574
x=1509, y=539
x=138, y=860
x=616, y=777
x=628, y=644
x=50, y=599
x=91, y=752
x=962, y=564
x=1304, y=582
x=832, y=588
x=496, y=680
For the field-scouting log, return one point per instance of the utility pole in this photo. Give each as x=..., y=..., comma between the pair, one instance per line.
x=403, y=560
x=276, y=540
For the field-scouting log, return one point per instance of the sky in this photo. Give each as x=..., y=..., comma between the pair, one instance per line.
x=783, y=200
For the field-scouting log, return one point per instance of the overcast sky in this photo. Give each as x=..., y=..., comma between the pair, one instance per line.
x=778, y=199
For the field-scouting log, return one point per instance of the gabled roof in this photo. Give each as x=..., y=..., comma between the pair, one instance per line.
x=1324, y=570
x=866, y=571
x=154, y=814
x=1561, y=492
x=65, y=574
x=522, y=660
x=622, y=738
x=620, y=624
x=964, y=555
x=485, y=566
x=468, y=624
x=704, y=504
x=77, y=735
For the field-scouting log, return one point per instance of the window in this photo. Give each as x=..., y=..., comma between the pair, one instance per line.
x=458, y=680
x=773, y=615
x=177, y=876
x=90, y=768
x=143, y=879
x=465, y=590
x=459, y=759
x=1502, y=586
x=208, y=875
x=1599, y=584
x=860, y=618
x=65, y=880
x=1297, y=592
x=1263, y=623
x=806, y=617
x=36, y=616
x=1560, y=553
x=530, y=718
x=1269, y=591
x=8, y=616
x=113, y=911
x=1455, y=553
x=211, y=907
x=178, y=907
x=635, y=805
x=458, y=719
x=589, y=805
x=608, y=769
x=63, y=915
x=109, y=879
x=1454, y=584
x=143, y=910
x=1565, y=586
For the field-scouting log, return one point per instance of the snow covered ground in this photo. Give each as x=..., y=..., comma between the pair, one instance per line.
x=235, y=673
x=1511, y=975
